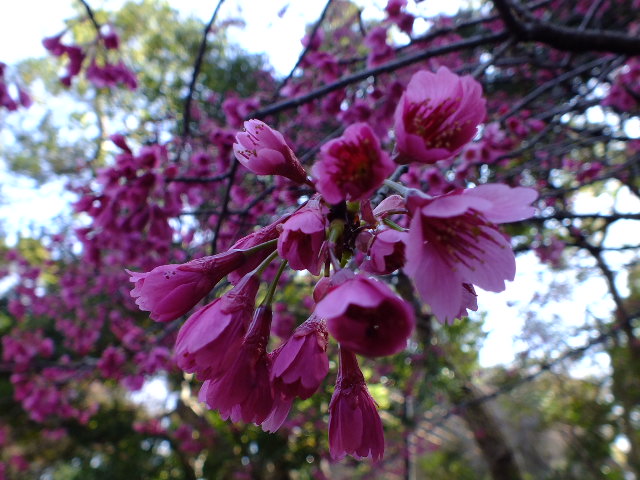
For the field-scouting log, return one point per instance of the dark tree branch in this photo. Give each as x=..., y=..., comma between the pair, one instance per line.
x=225, y=206
x=186, y=117
x=314, y=30
x=540, y=368
x=375, y=71
x=552, y=83
x=91, y=15
x=215, y=178
x=528, y=28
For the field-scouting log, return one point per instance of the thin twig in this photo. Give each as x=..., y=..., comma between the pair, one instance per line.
x=314, y=30
x=186, y=117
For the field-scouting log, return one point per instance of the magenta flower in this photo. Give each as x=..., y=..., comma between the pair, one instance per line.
x=263, y=235
x=390, y=205
x=109, y=75
x=386, y=252
x=265, y=152
x=279, y=412
x=243, y=391
x=209, y=340
x=354, y=423
x=437, y=115
x=169, y=291
x=303, y=236
x=110, y=38
x=454, y=240
x=54, y=45
x=366, y=317
x=351, y=167
x=300, y=365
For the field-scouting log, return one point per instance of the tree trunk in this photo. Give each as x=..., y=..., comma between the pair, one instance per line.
x=486, y=431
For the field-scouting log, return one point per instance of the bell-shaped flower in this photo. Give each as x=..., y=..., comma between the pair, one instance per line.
x=243, y=391
x=265, y=152
x=366, y=317
x=351, y=167
x=263, y=235
x=303, y=236
x=454, y=240
x=279, y=412
x=301, y=363
x=437, y=115
x=169, y=291
x=208, y=341
x=355, y=427
x=386, y=252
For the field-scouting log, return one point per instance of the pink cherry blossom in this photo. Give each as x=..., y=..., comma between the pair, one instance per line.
x=300, y=365
x=454, y=240
x=169, y=291
x=263, y=235
x=366, y=317
x=54, y=45
x=390, y=205
x=437, y=115
x=265, y=152
x=279, y=412
x=243, y=391
x=355, y=427
x=110, y=38
x=386, y=252
x=351, y=167
x=109, y=75
x=303, y=236
x=209, y=340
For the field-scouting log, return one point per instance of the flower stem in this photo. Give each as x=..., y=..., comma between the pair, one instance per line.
x=265, y=263
x=394, y=225
x=268, y=299
x=401, y=189
x=262, y=246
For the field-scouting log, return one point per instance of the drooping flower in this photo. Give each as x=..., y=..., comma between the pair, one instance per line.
x=110, y=75
x=303, y=236
x=437, y=115
x=351, y=167
x=243, y=391
x=263, y=235
x=386, y=252
x=54, y=45
x=169, y=291
x=300, y=365
x=366, y=317
x=454, y=240
x=265, y=152
x=208, y=341
x=355, y=427
x=279, y=412
x=110, y=38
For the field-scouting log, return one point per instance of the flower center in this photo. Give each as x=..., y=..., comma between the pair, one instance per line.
x=458, y=238
x=433, y=123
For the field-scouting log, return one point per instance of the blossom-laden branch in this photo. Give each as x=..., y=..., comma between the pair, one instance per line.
x=446, y=243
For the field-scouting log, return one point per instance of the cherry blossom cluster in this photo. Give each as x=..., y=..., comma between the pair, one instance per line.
x=358, y=228
x=101, y=71
x=12, y=101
